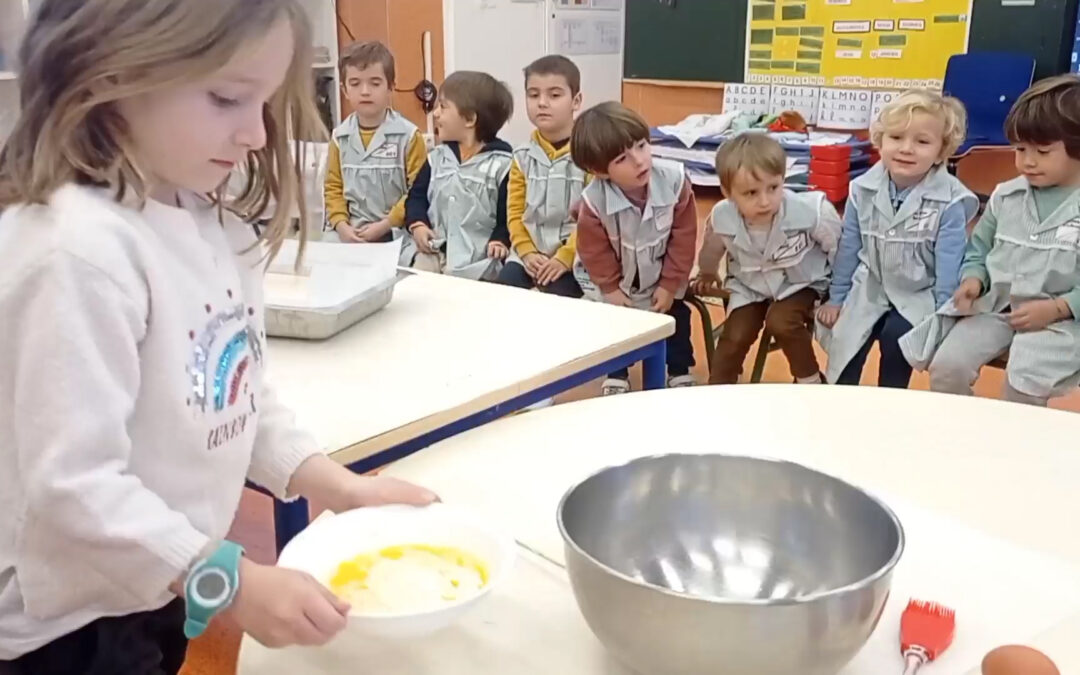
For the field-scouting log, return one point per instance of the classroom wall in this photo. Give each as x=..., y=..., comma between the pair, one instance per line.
x=401, y=25
x=501, y=37
x=668, y=102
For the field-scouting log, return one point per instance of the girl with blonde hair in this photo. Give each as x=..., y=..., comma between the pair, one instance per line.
x=132, y=389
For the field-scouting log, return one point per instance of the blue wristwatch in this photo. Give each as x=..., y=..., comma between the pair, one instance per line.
x=211, y=586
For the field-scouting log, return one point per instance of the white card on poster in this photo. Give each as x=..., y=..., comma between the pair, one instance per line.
x=879, y=100
x=749, y=98
x=802, y=99
x=844, y=108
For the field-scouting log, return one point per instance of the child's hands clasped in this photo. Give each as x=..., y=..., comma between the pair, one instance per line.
x=967, y=293
x=348, y=233
x=828, y=315
x=551, y=271
x=373, y=232
x=533, y=263
x=281, y=607
x=1036, y=315
x=497, y=250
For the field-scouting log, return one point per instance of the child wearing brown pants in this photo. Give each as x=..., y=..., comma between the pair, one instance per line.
x=779, y=247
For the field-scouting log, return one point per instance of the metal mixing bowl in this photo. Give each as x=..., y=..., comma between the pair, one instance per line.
x=722, y=565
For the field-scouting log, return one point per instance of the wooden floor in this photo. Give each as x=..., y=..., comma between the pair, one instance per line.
x=215, y=653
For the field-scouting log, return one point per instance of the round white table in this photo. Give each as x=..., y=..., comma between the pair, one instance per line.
x=987, y=492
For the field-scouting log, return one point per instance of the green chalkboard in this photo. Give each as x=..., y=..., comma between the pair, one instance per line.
x=686, y=40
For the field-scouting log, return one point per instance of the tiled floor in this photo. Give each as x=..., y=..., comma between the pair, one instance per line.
x=215, y=653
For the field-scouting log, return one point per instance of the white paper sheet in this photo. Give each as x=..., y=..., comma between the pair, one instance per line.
x=1002, y=594
x=695, y=127
x=330, y=274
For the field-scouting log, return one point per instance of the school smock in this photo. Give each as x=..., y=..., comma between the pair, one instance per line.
x=1020, y=255
x=133, y=404
x=896, y=259
x=464, y=203
x=369, y=171
x=797, y=252
x=637, y=248
x=544, y=184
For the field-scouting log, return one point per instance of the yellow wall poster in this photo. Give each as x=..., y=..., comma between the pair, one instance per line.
x=895, y=44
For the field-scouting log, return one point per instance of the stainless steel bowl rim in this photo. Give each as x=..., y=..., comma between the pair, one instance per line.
x=885, y=569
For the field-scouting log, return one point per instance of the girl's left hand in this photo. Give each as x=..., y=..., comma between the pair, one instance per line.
x=1035, y=315
x=338, y=489
x=363, y=491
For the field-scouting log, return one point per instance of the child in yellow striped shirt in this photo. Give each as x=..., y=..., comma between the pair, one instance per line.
x=544, y=183
x=374, y=155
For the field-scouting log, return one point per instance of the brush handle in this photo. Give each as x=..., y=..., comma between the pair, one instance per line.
x=914, y=659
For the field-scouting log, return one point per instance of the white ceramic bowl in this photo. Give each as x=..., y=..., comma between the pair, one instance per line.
x=329, y=541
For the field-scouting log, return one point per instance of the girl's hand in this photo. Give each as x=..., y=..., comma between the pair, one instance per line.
x=363, y=491
x=497, y=250
x=281, y=607
x=323, y=480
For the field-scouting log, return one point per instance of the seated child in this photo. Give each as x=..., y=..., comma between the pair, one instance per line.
x=544, y=183
x=374, y=155
x=903, y=239
x=637, y=229
x=1020, y=293
x=779, y=245
x=457, y=206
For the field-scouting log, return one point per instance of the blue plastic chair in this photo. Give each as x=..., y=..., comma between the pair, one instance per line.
x=988, y=84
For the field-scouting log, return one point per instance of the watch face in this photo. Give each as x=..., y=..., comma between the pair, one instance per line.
x=211, y=587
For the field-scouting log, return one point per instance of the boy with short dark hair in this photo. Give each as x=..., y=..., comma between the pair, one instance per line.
x=457, y=206
x=374, y=155
x=1020, y=283
x=545, y=183
x=637, y=229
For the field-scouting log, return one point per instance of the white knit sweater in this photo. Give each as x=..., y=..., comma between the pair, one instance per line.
x=132, y=405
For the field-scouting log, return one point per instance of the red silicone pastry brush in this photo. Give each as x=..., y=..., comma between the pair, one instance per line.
x=926, y=630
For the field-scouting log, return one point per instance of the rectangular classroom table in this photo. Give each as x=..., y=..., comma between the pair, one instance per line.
x=447, y=355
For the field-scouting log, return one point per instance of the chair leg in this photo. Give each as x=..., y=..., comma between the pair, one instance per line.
x=764, y=347
x=706, y=327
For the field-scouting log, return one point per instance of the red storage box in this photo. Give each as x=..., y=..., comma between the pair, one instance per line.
x=827, y=166
x=831, y=153
x=829, y=181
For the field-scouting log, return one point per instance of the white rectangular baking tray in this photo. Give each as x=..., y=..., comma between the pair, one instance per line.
x=337, y=286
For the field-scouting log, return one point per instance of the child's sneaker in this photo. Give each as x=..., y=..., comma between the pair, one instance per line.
x=680, y=381
x=614, y=386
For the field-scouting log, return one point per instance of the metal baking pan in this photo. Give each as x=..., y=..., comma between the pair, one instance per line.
x=319, y=323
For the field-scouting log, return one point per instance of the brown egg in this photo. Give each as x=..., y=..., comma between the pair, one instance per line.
x=1017, y=660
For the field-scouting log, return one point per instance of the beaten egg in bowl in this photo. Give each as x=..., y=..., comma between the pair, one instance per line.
x=408, y=578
